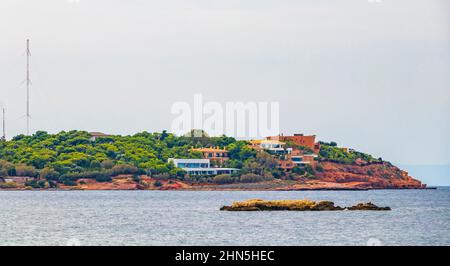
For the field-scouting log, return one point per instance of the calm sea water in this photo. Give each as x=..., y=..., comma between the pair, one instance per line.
x=419, y=217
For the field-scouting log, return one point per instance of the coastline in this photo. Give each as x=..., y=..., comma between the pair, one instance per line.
x=264, y=186
x=225, y=189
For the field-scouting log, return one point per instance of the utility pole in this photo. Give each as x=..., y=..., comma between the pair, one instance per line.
x=28, y=87
x=4, y=128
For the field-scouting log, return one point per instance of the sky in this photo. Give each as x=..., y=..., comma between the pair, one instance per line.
x=371, y=75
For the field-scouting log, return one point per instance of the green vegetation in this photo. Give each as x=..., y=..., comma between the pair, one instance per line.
x=230, y=179
x=252, y=178
x=67, y=157
x=306, y=170
x=330, y=152
x=224, y=179
x=291, y=144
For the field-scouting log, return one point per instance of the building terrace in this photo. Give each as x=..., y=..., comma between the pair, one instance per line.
x=200, y=167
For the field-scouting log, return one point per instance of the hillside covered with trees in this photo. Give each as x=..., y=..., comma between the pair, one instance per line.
x=67, y=157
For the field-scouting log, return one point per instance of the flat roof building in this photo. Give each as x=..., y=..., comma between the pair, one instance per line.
x=96, y=135
x=200, y=167
x=274, y=146
x=299, y=139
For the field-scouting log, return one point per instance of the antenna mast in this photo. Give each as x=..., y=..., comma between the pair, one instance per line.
x=28, y=87
x=4, y=128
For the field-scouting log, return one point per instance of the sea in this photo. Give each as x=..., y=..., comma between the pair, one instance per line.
x=147, y=218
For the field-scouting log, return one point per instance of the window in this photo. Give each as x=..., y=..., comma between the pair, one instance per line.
x=297, y=159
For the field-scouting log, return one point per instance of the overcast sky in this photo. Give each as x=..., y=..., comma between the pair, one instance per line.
x=370, y=75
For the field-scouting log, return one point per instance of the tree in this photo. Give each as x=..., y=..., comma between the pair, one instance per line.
x=26, y=170
x=262, y=163
x=107, y=164
x=71, y=155
x=124, y=169
x=7, y=168
x=224, y=179
x=252, y=178
x=49, y=174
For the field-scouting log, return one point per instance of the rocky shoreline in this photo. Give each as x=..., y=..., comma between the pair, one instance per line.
x=333, y=177
x=298, y=205
x=126, y=182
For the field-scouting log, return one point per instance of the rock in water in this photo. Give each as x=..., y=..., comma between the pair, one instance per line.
x=367, y=207
x=230, y=208
x=282, y=205
x=326, y=206
x=297, y=205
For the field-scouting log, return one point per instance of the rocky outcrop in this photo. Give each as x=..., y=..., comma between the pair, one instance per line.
x=296, y=205
x=327, y=176
x=281, y=205
x=231, y=208
x=370, y=176
x=367, y=207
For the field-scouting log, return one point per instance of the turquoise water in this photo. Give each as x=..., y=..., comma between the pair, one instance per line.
x=418, y=217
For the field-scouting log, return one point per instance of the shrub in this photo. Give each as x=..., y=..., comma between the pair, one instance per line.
x=124, y=169
x=309, y=169
x=319, y=168
x=95, y=164
x=69, y=183
x=268, y=175
x=7, y=168
x=251, y=178
x=70, y=177
x=107, y=164
x=52, y=184
x=141, y=172
x=3, y=172
x=298, y=170
x=277, y=174
x=223, y=179
x=157, y=183
x=102, y=175
x=49, y=174
x=162, y=176
x=26, y=170
x=103, y=178
x=43, y=184
x=136, y=178
x=32, y=183
x=177, y=172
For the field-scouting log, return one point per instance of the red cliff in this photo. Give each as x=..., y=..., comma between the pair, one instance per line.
x=377, y=175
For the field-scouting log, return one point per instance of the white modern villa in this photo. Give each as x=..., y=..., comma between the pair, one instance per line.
x=274, y=146
x=200, y=167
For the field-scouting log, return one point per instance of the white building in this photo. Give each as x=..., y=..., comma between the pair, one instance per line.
x=200, y=167
x=273, y=146
x=95, y=135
